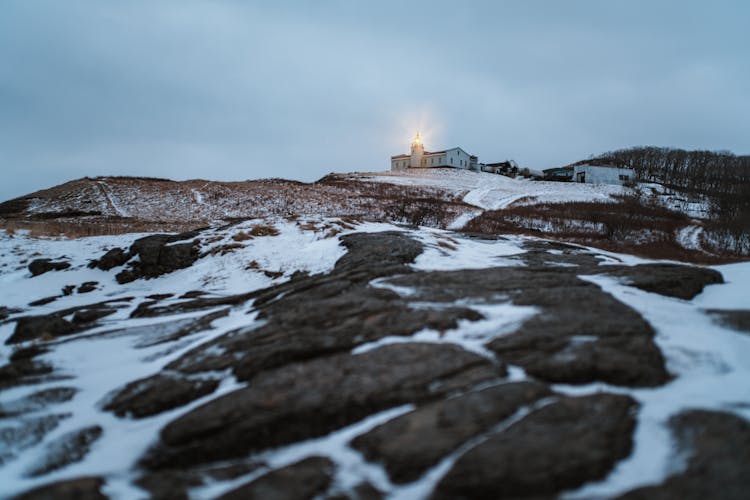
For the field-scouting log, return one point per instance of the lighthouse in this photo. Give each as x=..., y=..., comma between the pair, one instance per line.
x=417, y=152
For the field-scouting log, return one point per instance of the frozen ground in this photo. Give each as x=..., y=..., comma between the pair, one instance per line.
x=711, y=362
x=493, y=192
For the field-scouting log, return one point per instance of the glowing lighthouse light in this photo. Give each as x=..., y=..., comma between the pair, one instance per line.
x=417, y=152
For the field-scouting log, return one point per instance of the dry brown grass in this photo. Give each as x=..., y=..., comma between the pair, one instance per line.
x=225, y=249
x=446, y=245
x=241, y=236
x=79, y=228
x=630, y=226
x=264, y=230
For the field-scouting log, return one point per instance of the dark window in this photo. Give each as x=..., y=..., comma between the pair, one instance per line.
x=624, y=177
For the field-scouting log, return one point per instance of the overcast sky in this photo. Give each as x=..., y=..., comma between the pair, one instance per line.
x=235, y=90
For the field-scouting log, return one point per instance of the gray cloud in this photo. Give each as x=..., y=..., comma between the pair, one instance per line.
x=236, y=90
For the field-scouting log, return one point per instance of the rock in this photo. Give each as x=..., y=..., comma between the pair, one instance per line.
x=53, y=325
x=554, y=448
x=68, y=290
x=82, y=488
x=5, y=312
x=363, y=491
x=738, y=320
x=116, y=257
x=126, y=276
x=91, y=315
x=28, y=352
x=302, y=480
x=716, y=446
x=175, y=484
x=152, y=309
x=44, y=301
x=412, y=443
x=67, y=449
x=169, y=485
x=40, y=327
x=36, y=401
x=582, y=334
x=41, y=266
x=157, y=254
x=88, y=286
x=378, y=250
x=156, y=394
x=323, y=314
x=309, y=399
x=23, y=371
x=672, y=280
x=318, y=321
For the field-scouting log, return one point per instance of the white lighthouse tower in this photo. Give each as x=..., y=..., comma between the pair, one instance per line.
x=417, y=152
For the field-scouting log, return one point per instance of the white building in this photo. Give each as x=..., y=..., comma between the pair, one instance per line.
x=602, y=174
x=419, y=158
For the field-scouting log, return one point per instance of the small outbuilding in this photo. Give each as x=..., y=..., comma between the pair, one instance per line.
x=592, y=173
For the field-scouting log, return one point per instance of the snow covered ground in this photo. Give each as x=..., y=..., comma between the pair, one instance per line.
x=493, y=191
x=711, y=361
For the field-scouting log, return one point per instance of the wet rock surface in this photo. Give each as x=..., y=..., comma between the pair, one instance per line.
x=84, y=488
x=158, y=393
x=41, y=266
x=324, y=314
x=298, y=481
x=582, y=334
x=717, y=447
x=556, y=447
x=672, y=280
x=312, y=398
x=410, y=444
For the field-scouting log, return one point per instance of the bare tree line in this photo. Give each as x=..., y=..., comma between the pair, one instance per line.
x=721, y=176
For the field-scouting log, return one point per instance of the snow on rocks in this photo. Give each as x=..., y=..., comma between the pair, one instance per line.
x=326, y=356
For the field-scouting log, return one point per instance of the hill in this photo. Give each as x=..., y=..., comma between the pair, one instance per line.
x=609, y=217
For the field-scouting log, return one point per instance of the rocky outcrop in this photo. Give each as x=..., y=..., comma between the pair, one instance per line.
x=158, y=393
x=54, y=325
x=717, y=447
x=306, y=400
x=41, y=266
x=159, y=254
x=115, y=257
x=556, y=447
x=319, y=315
x=672, y=280
x=299, y=481
x=412, y=443
x=582, y=334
